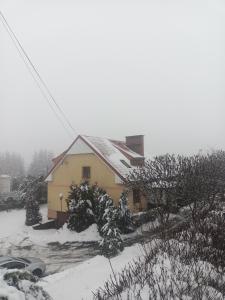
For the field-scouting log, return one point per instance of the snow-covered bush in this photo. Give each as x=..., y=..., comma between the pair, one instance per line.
x=187, y=263
x=20, y=285
x=82, y=201
x=33, y=215
x=161, y=273
x=170, y=182
x=90, y=204
x=112, y=242
x=103, y=205
x=123, y=216
x=33, y=186
x=207, y=240
x=13, y=278
x=32, y=206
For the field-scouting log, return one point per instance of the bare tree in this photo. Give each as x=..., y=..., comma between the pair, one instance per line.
x=156, y=181
x=201, y=182
x=170, y=181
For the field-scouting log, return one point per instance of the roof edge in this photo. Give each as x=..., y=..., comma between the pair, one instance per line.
x=95, y=151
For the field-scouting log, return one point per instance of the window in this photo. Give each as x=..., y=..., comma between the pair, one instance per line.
x=136, y=196
x=86, y=172
x=125, y=163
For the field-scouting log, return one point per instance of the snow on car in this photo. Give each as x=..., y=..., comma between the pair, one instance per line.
x=35, y=265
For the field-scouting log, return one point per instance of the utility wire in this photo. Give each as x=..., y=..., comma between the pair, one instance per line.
x=21, y=51
x=37, y=83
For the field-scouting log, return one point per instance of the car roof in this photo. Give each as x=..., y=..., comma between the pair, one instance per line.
x=4, y=259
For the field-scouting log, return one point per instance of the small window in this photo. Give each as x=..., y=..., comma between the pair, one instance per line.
x=86, y=172
x=136, y=196
x=125, y=163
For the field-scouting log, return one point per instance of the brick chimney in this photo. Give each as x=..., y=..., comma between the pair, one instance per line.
x=136, y=143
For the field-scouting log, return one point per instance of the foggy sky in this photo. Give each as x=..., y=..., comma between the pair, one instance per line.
x=116, y=68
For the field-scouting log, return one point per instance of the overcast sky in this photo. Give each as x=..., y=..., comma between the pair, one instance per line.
x=116, y=68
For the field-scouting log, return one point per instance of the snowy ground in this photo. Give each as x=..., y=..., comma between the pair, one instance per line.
x=74, y=268
x=79, y=282
x=14, y=231
x=59, y=249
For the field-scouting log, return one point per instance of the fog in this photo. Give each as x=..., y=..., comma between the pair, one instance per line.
x=116, y=68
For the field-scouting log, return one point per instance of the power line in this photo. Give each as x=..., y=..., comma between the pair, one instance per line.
x=37, y=83
x=21, y=51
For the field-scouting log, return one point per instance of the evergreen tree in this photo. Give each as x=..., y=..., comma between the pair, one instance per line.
x=103, y=205
x=31, y=191
x=31, y=197
x=31, y=185
x=12, y=164
x=82, y=203
x=33, y=215
x=112, y=242
x=40, y=164
x=125, y=222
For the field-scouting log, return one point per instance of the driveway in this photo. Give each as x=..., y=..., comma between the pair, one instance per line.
x=58, y=257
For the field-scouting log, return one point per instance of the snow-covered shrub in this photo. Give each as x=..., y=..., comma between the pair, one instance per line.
x=90, y=204
x=112, y=242
x=82, y=201
x=20, y=285
x=33, y=215
x=161, y=274
x=188, y=263
x=14, y=278
x=104, y=203
x=33, y=186
x=33, y=192
x=170, y=182
x=207, y=240
x=125, y=222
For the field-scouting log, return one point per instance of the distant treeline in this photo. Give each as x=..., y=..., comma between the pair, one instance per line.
x=13, y=164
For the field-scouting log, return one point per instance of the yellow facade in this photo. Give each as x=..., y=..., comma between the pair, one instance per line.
x=69, y=171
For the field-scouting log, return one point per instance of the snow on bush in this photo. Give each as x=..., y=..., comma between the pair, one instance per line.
x=88, y=205
x=112, y=242
x=162, y=273
x=20, y=285
x=81, y=206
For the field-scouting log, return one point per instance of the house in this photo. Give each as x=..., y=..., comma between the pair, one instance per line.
x=96, y=160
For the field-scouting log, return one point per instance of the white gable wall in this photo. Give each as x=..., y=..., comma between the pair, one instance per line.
x=80, y=147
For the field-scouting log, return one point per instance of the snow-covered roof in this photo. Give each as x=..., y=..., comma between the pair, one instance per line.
x=111, y=154
x=114, y=153
x=122, y=147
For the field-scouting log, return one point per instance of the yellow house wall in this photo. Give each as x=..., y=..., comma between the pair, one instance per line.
x=70, y=172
